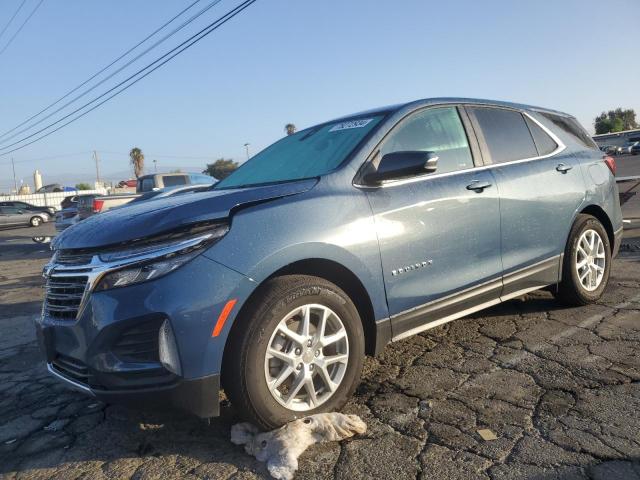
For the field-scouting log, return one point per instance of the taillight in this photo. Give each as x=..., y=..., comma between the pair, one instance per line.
x=611, y=163
x=97, y=206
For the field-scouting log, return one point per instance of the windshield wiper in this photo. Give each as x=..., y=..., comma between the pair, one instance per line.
x=264, y=184
x=311, y=132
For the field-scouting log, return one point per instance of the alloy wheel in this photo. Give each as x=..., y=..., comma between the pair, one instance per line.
x=307, y=357
x=590, y=260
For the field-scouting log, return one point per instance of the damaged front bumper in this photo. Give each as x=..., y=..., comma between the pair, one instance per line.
x=111, y=348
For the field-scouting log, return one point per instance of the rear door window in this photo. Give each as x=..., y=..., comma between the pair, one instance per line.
x=505, y=133
x=544, y=143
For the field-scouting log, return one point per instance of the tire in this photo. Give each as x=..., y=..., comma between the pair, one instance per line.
x=35, y=221
x=572, y=291
x=247, y=365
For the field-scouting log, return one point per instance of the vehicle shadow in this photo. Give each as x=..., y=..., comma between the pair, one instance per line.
x=126, y=439
x=536, y=302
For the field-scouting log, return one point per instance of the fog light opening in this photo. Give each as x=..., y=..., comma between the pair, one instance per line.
x=168, y=349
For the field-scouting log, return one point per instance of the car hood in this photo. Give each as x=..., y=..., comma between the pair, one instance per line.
x=146, y=219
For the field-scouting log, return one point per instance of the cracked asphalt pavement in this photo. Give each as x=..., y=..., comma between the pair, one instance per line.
x=560, y=388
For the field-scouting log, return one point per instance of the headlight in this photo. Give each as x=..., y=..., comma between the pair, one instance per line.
x=152, y=259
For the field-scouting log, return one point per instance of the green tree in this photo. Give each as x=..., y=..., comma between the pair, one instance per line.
x=290, y=128
x=136, y=157
x=83, y=186
x=221, y=168
x=615, y=121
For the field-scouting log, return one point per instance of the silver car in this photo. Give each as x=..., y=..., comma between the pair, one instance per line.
x=14, y=216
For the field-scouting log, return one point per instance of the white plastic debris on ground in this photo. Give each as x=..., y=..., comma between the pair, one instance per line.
x=281, y=448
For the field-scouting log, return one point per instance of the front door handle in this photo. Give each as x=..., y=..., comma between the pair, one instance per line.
x=478, y=186
x=562, y=168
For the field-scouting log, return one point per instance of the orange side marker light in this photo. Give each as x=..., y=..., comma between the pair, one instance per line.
x=223, y=317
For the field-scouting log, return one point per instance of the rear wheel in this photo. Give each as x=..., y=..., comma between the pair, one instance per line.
x=586, y=264
x=298, y=350
x=35, y=221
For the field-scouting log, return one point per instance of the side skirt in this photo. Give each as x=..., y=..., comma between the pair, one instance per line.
x=474, y=299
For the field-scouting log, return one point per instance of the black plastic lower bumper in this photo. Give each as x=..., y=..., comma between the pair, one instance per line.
x=617, y=240
x=197, y=396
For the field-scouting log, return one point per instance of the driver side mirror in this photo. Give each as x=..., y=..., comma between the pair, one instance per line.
x=398, y=165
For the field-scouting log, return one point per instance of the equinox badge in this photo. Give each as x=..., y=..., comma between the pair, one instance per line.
x=409, y=268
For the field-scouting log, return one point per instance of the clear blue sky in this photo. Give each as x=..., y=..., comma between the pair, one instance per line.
x=304, y=62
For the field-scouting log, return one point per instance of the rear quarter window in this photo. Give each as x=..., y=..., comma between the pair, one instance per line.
x=571, y=127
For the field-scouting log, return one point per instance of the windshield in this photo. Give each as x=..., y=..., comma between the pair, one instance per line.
x=309, y=153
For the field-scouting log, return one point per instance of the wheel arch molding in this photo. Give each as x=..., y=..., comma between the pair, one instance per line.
x=377, y=333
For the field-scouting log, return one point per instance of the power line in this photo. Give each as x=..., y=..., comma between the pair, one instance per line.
x=100, y=71
x=109, y=152
x=62, y=155
x=12, y=17
x=111, y=75
x=170, y=54
x=21, y=27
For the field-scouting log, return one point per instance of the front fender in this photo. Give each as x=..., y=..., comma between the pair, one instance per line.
x=337, y=227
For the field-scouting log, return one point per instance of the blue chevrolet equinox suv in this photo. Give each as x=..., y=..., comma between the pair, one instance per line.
x=334, y=241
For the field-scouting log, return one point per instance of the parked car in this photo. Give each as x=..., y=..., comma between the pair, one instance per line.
x=85, y=205
x=128, y=183
x=147, y=183
x=15, y=216
x=324, y=247
x=28, y=207
x=627, y=148
x=67, y=217
x=169, y=192
x=91, y=204
x=635, y=150
x=69, y=201
x=54, y=187
x=610, y=149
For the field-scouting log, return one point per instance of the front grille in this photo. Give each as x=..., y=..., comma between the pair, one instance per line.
x=139, y=343
x=71, y=368
x=70, y=258
x=63, y=296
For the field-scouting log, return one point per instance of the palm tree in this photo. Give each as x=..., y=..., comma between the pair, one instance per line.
x=137, y=160
x=290, y=128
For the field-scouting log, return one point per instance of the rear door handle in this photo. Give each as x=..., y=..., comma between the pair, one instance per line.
x=562, y=168
x=478, y=186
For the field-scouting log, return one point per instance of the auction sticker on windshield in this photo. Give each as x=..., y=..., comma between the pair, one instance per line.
x=350, y=124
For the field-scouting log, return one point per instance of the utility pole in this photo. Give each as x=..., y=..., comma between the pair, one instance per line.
x=246, y=146
x=95, y=157
x=15, y=184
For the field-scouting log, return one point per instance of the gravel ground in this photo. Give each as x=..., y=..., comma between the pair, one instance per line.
x=560, y=388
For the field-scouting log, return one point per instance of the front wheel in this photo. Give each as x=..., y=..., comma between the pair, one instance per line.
x=35, y=221
x=586, y=263
x=298, y=350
